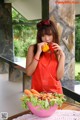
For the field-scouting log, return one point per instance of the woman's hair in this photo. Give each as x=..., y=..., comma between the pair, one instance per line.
x=46, y=27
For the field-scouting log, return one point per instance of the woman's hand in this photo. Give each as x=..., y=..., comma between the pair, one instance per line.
x=57, y=49
x=39, y=46
x=61, y=60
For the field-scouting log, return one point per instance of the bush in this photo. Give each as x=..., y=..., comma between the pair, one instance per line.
x=77, y=77
x=16, y=47
x=21, y=47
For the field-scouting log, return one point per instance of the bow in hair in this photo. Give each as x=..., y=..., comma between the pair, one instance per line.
x=43, y=23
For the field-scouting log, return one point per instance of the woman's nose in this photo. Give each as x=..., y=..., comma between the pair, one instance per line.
x=46, y=38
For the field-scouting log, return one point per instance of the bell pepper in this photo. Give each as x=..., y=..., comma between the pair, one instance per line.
x=45, y=48
x=51, y=47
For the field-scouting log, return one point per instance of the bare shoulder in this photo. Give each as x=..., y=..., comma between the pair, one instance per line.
x=31, y=47
x=30, y=51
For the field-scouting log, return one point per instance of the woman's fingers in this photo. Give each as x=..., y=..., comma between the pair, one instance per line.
x=57, y=49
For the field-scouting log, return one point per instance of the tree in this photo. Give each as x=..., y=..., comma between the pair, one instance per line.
x=24, y=33
x=77, y=39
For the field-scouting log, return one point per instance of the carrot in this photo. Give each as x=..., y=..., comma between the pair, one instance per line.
x=35, y=92
x=27, y=92
x=36, y=95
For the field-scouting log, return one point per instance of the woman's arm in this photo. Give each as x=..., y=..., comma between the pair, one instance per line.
x=31, y=63
x=60, y=69
x=61, y=60
x=32, y=60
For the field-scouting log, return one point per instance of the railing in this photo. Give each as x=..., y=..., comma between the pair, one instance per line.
x=71, y=94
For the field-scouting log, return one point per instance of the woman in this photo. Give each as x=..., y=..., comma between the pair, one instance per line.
x=46, y=68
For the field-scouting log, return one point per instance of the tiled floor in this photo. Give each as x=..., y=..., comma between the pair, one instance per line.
x=10, y=93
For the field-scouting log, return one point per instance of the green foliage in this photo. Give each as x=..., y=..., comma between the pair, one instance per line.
x=77, y=48
x=58, y=99
x=77, y=77
x=77, y=39
x=21, y=47
x=77, y=71
x=16, y=47
x=24, y=33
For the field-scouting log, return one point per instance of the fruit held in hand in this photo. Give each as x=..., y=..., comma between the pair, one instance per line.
x=45, y=47
x=51, y=47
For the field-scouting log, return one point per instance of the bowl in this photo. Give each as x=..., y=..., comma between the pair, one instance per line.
x=36, y=110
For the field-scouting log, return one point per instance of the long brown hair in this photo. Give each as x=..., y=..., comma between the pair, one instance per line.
x=46, y=27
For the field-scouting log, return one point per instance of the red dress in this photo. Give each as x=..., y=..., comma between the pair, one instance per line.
x=44, y=78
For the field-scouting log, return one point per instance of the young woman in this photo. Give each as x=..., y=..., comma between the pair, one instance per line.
x=46, y=68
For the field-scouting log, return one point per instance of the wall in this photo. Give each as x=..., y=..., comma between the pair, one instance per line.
x=6, y=40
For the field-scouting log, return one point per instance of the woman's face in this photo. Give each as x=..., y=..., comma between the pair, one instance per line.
x=47, y=38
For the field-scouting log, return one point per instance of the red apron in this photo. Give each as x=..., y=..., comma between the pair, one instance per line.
x=44, y=78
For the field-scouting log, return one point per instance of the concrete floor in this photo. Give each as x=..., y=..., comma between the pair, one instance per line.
x=10, y=93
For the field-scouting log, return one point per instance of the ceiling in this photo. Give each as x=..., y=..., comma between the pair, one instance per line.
x=32, y=9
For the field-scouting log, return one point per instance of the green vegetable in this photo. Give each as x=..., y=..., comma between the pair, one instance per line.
x=44, y=104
